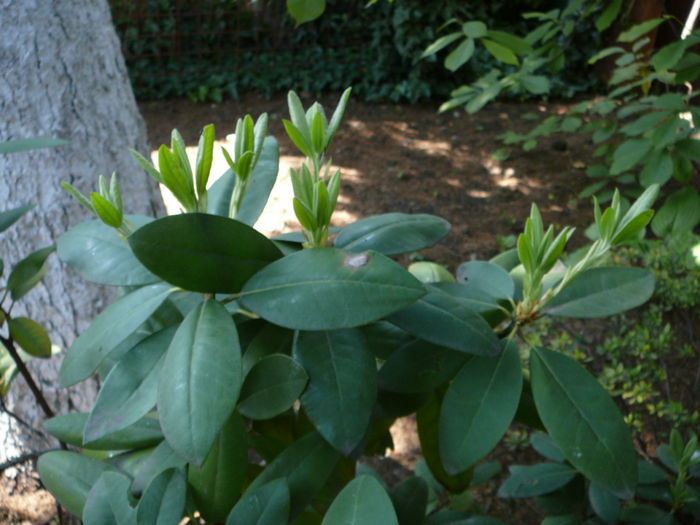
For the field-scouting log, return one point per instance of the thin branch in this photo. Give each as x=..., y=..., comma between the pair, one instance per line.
x=19, y=420
x=23, y=459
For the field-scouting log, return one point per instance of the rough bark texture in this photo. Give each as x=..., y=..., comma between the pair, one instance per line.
x=63, y=75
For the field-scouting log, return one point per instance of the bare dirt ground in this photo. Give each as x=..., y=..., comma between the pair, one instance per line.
x=396, y=158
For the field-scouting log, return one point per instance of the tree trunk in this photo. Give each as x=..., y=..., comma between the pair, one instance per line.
x=63, y=75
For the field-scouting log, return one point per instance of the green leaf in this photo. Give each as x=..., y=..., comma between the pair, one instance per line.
x=486, y=277
x=9, y=217
x=536, y=84
x=629, y=154
x=205, y=154
x=30, y=335
x=272, y=386
x=657, y=170
x=163, y=501
x=640, y=29
x=608, y=16
x=474, y=29
x=478, y=408
x=604, y=504
x=266, y=505
x=350, y=289
x=337, y=116
x=260, y=185
x=393, y=233
x=680, y=212
x=535, y=480
x=583, y=421
x=305, y=10
x=270, y=340
x=460, y=55
x=18, y=145
x=117, y=322
x=217, y=484
x=441, y=43
x=130, y=390
x=202, y=253
x=159, y=460
x=500, y=52
x=410, y=499
x=544, y=445
x=27, y=273
x=101, y=256
x=517, y=45
x=69, y=476
x=106, y=211
x=600, y=292
x=430, y=272
x=363, y=501
x=668, y=56
x=342, y=387
x=419, y=366
x=70, y=429
x=447, y=321
x=200, y=380
x=306, y=464
x=108, y=501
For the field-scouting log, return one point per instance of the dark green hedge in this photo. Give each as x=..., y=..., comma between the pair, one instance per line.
x=221, y=48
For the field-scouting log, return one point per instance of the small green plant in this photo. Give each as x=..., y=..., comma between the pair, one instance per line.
x=243, y=376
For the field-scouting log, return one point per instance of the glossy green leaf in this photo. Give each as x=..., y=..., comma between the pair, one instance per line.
x=430, y=272
x=200, y=380
x=419, y=366
x=392, y=233
x=639, y=30
x=478, y=408
x=608, y=16
x=680, y=212
x=363, y=501
x=441, y=43
x=600, y=292
x=130, y=390
x=217, y=484
x=18, y=145
x=69, y=428
x=149, y=468
x=305, y=10
x=69, y=476
x=517, y=45
x=629, y=154
x=535, y=480
x=9, y=217
x=108, y=501
x=272, y=386
x=117, y=322
x=202, y=253
x=306, y=464
x=163, y=501
x=410, y=499
x=30, y=336
x=28, y=272
x=460, y=55
x=488, y=277
x=349, y=289
x=270, y=340
x=266, y=505
x=259, y=188
x=604, y=504
x=500, y=52
x=583, y=421
x=447, y=321
x=544, y=445
x=342, y=384
x=101, y=256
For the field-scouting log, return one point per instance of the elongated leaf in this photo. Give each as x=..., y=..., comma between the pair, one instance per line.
x=535, y=480
x=28, y=272
x=393, y=233
x=500, y=52
x=305, y=10
x=410, y=499
x=202, y=253
x=9, y=217
x=163, y=501
x=306, y=464
x=680, y=212
x=419, y=366
x=108, y=330
x=583, y=421
x=272, y=386
x=100, y=256
x=442, y=42
x=608, y=16
x=640, y=29
x=130, y=390
x=604, y=504
x=266, y=505
x=159, y=460
x=544, y=445
x=342, y=384
x=216, y=486
x=478, y=408
x=460, y=55
x=30, y=335
x=70, y=476
x=629, y=154
x=447, y=321
x=200, y=380
x=17, y=145
x=108, y=501
x=348, y=289
x=600, y=292
x=488, y=277
x=362, y=502
x=69, y=428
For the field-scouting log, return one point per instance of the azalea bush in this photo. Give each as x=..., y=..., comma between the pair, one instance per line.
x=242, y=377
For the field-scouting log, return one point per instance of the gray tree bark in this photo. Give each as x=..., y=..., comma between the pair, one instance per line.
x=62, y=75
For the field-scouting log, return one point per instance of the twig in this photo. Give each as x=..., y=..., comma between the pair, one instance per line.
x=19, y=420
x=22, y=459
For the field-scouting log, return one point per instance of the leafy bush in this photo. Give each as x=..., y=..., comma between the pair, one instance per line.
x=244, y=376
